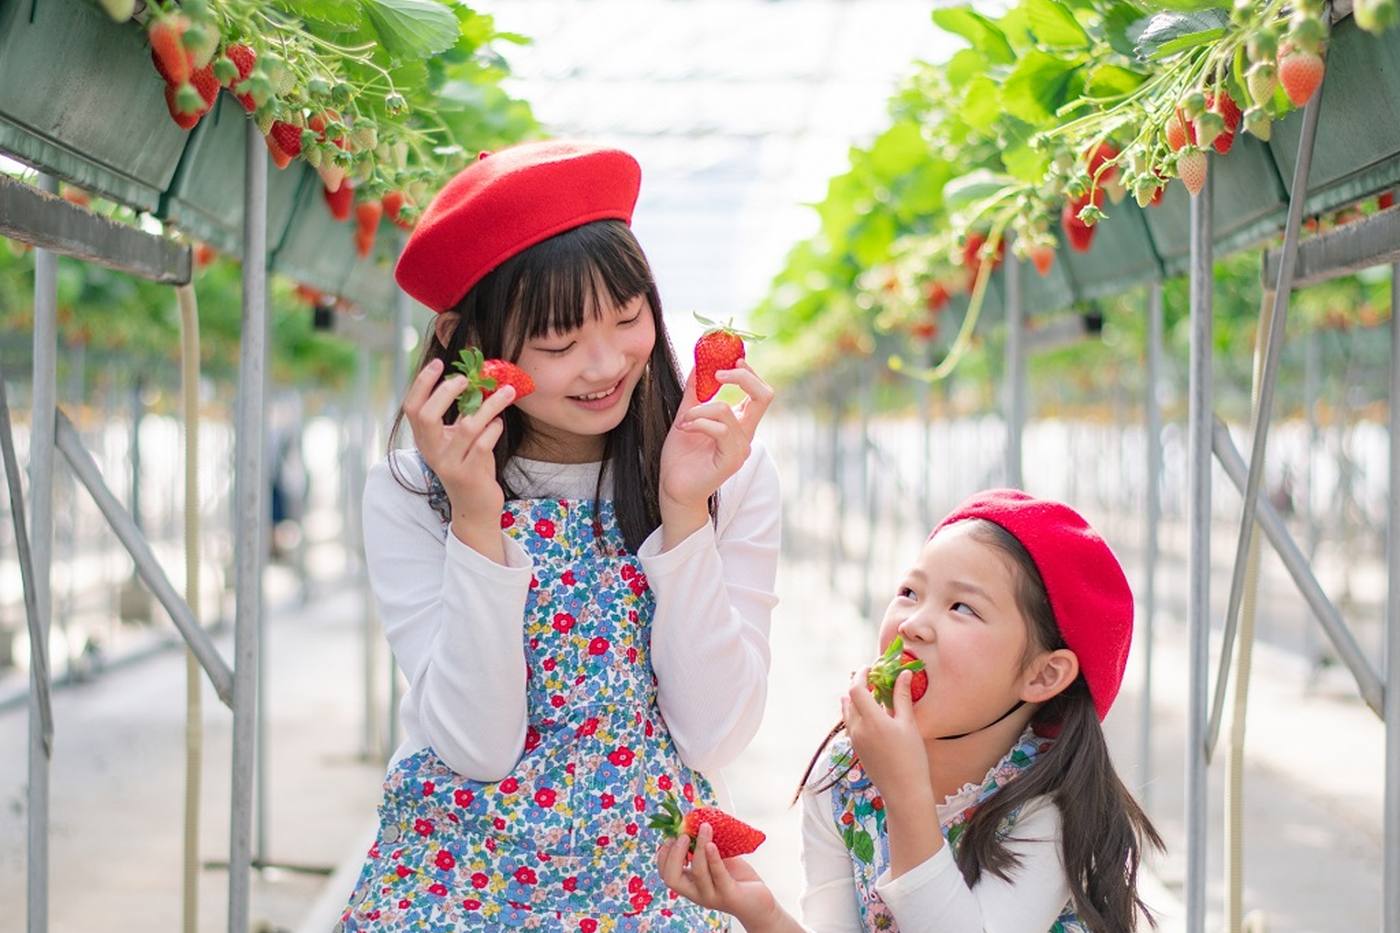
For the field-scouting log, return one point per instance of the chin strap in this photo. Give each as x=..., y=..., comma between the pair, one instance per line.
x=963, y=735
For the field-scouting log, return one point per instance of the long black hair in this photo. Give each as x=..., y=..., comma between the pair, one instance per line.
x=546, y=289
x=1103, y=830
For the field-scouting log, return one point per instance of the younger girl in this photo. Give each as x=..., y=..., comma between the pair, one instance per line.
x=991, y=803
x=577, y=583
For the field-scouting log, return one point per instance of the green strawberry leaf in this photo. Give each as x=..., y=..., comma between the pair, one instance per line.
x=411, y=29
x=1041, y=84
x=979, y=31
x=973, y=187
x=1168, y=34
x=1054, y=25
x=864, y=847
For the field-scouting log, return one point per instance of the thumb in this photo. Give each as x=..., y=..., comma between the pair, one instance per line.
x=903, y=695
x=688, y=397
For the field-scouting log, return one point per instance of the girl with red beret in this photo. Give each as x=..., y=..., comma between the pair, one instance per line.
x=577, y=582
x=990, y=803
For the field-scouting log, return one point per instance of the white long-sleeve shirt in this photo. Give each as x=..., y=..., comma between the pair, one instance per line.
x=455, y=619
x=933, y=897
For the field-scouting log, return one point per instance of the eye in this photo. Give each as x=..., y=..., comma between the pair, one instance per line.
x=556, y=351
x=964, y=609
x=628, y=322
x=905, y=593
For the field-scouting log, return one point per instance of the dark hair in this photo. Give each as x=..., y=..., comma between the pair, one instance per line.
x=546, y=289
x=1103, y=829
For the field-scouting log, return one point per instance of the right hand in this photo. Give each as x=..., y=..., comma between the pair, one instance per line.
x=730, y=885
x=461, y=453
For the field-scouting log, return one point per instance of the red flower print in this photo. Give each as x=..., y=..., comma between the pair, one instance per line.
x=621, y=756
x=580, y=679
x=374, y=851
x=598, y=646
x=439, y=889
x=640, y=900
x=689, y=791
x=499, y=823
x=428, y=788
x=545, y=797
x=631, y=829
x=472, y=903
x=452, y=818
x=509, y=786
x=373, y=914
x=603, y=842
x=571, y=883
x=588, y=926
x=635, y=884
x=847, y=818
x=405, y=903
x=563, y=621
x=507, y=519
x=491, y=843
x=445, y=861
x=463, y=798
x=631, y=655
x=632, y=615
x=664, y=782
x=590, y=726
x=423, y=827
x=548, y=664
x=526, y=875
x=556, y=701
x=404, y=871
x=639, y=804
x=534, y=582
x=607, y=801
x=568, y=578
x=628, y=571
x=532, y=739
x=649, y=729
x=479, y=880
x=544, y=528
x=878, y=803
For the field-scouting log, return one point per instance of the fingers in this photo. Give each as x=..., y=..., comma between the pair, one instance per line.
x=863, y=702
x=701, y=870
x=760, y=394
x=422, y=386
x=671, y=861
x=903, y=695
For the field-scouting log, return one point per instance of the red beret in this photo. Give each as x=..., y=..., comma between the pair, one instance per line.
x=506, y=202
x=1088, y=592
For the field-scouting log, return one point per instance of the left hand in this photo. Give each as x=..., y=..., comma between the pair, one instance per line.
x=709, y=442
x=730, y=885
x=887, y=742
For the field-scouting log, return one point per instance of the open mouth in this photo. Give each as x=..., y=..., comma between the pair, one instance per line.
x=599, y=399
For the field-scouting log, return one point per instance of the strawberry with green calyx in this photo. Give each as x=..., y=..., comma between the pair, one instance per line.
x=1262, y=81
x=1300, y=73
x=168, y=51
x=1224, y=105
x=485, y=376
x=732, y=836
x=1178, y=131
x=339, y=201
x=1191, y=165
x=719, y=347
x=287, y=136
x=367, y=215
x=886, y=670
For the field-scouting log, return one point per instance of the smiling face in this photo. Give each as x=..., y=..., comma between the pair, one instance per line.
x=957, y=610
x=585, y=377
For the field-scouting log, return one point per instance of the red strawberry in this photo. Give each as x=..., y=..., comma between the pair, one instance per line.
x=1042, y=257
x=1079, y=234
x=925, y=330
x=1191, y=167
x=720, y=347
x=367, y=214
x=287, y=137
x=339, y=201
x=1300, y=73
x=1386, y=200
x=972, y=256
x=243, y=59
x=393, y=203
x=1229, y=112
x=204, y=254
x=1105, y=152
x=1179, y=131
x=887, y=668
x=279, y=158
x=309, y=295
x=485, y=377
x=81, y=198
x=937, y=298
x=732, y=836
x=168, y=50
x=186, y=121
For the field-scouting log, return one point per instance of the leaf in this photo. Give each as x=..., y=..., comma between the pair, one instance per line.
x=973, y=187
x=979, y=31
x=981, y=105
x=1192, y=6
x=864, y=847
x=1168, y=34
x=412, y=28
x=1113, y=81
x=898, y=150
x=336, y=13
x=965, y=65
x=1118, y=22
x=1040, y=85
x=1054, y=25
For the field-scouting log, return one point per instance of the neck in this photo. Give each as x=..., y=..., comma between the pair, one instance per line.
x=954, y=763
x=543, y=442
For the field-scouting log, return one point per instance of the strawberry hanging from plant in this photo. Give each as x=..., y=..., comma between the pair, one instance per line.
x=886, y=670
x=485, y=377
x=732, y=836
x=720, y=347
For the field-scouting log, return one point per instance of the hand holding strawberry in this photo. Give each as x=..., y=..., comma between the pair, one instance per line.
x=886, y=670
x=887, y=741
x=719, y=348
x=693, y=864
x=732, y=836
x=485, y=377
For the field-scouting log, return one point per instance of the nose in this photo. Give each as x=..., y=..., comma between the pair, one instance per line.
x=606, y=362
x=917, y=628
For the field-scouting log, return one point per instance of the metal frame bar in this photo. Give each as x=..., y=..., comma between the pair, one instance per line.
x=248, y=496
x=41, y=218
x=1198, y=560
x=1263, y=412
x=1015, y=370
x=1391, y=891
x=148, y=567
x=1361, y=244
x=1153, y=443
x=1368, y=682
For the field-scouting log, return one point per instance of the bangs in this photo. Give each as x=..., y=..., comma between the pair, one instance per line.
x=556, y=283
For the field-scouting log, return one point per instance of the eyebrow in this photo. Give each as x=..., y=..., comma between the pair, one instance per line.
x=963, y=586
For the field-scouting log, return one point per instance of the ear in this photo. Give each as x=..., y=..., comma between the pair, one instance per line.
x=1049, y=675
x=446, y=325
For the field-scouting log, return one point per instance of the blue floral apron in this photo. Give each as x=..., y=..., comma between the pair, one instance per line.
x=859, y=813
x=562, y=843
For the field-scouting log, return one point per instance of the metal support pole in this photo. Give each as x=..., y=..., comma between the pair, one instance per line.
x=248, y=496
x=1154, y=513
x=1391, y=912
x=1015, y=369
x=41, y=465
x=1310, y=523
x=1283, y=291
x=867, y=492
x=1198, y=560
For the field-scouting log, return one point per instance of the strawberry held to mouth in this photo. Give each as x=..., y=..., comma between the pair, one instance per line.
x=485, y=377
x=732, y=836
x=720, y=347
x=886, y=670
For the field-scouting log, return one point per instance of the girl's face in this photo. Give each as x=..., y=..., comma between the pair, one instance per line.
x=956, y=610
x=584, y=378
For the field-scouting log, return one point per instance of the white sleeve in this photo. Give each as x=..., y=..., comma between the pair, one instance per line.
x=455, y=621
x=934, y=898
x=714, y=605
x=829, y=891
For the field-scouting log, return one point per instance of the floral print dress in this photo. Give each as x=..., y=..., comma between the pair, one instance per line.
x=562, y=843
x=860, y=819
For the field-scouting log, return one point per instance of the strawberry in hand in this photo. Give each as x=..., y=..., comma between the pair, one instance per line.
x=887, y=668
x=731, y=835
x=720, y=347
x=484, y=377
